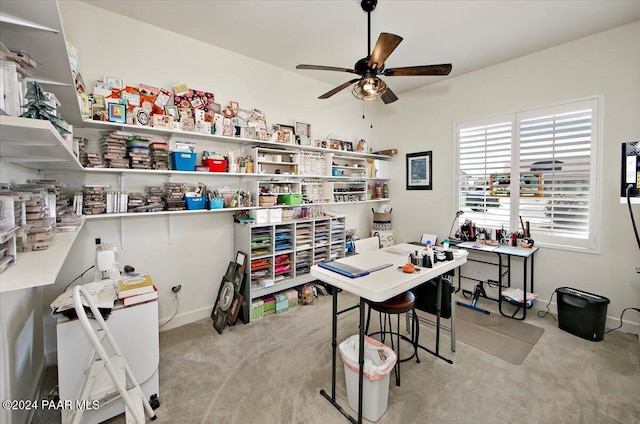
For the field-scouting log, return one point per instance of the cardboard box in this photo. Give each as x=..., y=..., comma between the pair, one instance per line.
x=260, y=215
x=275, y=215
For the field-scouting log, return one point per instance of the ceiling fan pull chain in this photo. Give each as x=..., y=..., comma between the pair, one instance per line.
x=363, y=109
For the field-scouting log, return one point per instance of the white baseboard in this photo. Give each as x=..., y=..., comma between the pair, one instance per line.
x=185, y=318
x=611, y=322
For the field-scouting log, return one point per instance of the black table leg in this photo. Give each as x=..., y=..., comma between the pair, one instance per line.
x=334, y=345
x=361, y=361
x=438, y=313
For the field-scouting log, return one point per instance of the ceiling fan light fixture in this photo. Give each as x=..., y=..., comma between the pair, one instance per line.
x=369, y=88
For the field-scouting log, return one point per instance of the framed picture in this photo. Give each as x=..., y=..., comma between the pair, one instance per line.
x=232, y=312
x=335, y=144
x=347, y=146
x=303, y=133
x=231, y=270
x=117, y=112
x=241, y=261
x=233, y=105
x=219, y=320
x=287, y=134
x=237, y=281
x=419, y=171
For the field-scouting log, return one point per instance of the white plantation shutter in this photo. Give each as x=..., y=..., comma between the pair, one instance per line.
x=557, y=144
x=484, y=149
x=554, y=154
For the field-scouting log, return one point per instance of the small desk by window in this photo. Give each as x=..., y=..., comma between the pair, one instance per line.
x=503, y=254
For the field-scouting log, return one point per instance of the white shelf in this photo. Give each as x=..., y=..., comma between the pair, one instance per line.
x=178, y=134
x=35, y=144
x=41, y=268
x=170, y=172
x=222, y=210
x=47, y=46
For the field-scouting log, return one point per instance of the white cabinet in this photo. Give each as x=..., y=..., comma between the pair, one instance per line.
x=135, y=330
x=280, y=255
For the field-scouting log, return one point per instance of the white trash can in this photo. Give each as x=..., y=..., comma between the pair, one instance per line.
x=379, y=360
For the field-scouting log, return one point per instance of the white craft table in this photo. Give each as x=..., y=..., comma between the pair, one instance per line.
x=379, y=286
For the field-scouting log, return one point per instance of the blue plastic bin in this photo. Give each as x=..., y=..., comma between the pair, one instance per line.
x=194, y=203
x=216, y=203
x=183, y=161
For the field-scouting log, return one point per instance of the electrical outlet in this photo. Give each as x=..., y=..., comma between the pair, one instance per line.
x=176, y=289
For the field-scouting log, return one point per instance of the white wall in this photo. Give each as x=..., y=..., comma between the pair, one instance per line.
x=22, y=359
x=606, y=64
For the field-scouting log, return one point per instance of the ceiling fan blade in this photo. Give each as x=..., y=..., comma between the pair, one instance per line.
x=385, y=45
x=388, y=96
x=443, y=69
x=325, y=68
x=338, y=89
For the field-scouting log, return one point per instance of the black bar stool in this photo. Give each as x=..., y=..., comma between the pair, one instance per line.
x=398, y=305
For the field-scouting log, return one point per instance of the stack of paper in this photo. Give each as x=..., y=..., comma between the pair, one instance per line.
x=517, y=295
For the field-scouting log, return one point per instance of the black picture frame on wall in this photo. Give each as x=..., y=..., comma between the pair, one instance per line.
x=419, y=171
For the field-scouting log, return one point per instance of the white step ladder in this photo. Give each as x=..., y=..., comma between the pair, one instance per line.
x=105, y=376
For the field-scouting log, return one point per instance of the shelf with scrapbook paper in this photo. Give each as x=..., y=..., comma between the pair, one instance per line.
x=280, y=255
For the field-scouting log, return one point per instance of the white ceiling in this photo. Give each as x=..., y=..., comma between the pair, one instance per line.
x=469, y=34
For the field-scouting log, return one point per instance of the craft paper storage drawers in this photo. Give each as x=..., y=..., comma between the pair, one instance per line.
x=257, y=309
x=269, y=305
x=282, y=302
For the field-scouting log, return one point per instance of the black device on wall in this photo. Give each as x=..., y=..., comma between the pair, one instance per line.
x=630, y=172
x=630, y=180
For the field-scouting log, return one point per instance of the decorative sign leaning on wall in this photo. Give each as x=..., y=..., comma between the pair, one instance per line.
x=419, y=171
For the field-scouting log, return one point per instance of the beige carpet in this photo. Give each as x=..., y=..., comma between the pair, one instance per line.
x=505, y=338
x=271, y=371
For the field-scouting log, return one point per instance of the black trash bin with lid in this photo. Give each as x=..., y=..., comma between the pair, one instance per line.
x=582, y=314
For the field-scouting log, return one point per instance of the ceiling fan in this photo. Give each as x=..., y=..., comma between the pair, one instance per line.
x=369, y=86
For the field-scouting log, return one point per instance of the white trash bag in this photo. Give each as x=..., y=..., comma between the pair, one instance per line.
x=379, y=358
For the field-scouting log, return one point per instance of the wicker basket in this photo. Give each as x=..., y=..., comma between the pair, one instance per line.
x=267, y=200
x=382, y=221
x=287, y=214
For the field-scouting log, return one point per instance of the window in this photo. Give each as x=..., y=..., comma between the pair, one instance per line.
x=536, y=166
